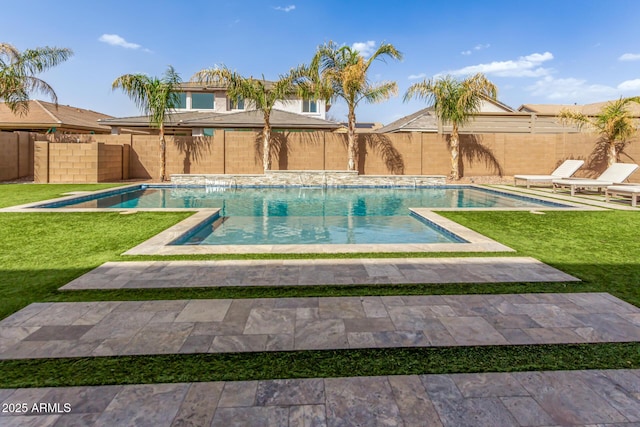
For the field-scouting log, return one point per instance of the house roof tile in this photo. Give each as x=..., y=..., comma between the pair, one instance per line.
x=45, y=115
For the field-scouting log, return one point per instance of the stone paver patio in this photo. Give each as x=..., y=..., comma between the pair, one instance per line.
x=172, y=274
x=81, y=329
x=610, y=397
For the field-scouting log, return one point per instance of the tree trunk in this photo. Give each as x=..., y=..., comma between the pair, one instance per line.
x=351, y=141
x=266, y=144
x=612, y=155
x=163, y=155
x=455, y=149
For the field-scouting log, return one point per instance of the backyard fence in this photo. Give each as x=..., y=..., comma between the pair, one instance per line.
x=118, y=157
x=16, y=155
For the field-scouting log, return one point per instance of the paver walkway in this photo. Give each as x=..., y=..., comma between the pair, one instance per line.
x=169, y=274
x=610, y=397
x=214, y=326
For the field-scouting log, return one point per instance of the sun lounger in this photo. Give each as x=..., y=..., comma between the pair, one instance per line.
x=632, y=191
x=565, y=170
x=615, y=174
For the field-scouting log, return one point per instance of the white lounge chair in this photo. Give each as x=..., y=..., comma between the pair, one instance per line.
x=615, y=174
x=565, y=170
x=632, y=191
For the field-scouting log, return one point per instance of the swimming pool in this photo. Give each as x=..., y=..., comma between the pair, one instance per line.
x=280, y=216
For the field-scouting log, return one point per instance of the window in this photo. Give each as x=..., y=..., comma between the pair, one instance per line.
x=202, y=101
x=236, y=104
x=309, y=106
x=182, y=101
x=207, y=132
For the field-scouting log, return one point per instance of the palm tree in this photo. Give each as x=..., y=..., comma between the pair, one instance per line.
x=156, y=97
x=262, y=94
x=18, y=70
x=614, y=123
x=341, y=73
x=454, y=102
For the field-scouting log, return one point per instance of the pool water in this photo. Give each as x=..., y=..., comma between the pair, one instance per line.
x=259, y=216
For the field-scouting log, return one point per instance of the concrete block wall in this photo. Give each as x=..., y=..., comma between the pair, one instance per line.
x=236, y=152
x=9, y=156
x=299, y=150
x=335, y=151
x=109, y=160
x=241, y=156
x=435, y=154
x=73, y=162
x=41, y=162
x=16, y=155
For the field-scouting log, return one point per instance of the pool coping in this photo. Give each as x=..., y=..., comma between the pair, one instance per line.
x=160, y=244
x=33, y=206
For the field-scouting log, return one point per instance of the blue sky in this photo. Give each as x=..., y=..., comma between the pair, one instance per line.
x=543, y=51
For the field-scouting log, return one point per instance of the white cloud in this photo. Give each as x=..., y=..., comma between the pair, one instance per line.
x=481, y=46
x=630, y=85
x=571, y=90
x=417, y=76
x=629, y=57
x=116, y=40
x=525, y=66
x=476, y=47
x=365, y=48
x=285, y=8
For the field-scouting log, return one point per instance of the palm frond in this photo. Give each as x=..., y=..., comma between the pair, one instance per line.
x=380, y=92
x=454, y=101
x=18, y=74
x=137, y=88
x=385, y=50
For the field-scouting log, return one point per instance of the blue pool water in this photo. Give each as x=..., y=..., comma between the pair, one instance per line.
x=309, y=215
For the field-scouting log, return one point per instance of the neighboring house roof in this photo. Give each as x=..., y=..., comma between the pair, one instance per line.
x=361, y=127
x=423, y=120
x=196, y=87
x=244, y=119
x=587, y=109
x=173, y=119
x=43, y=116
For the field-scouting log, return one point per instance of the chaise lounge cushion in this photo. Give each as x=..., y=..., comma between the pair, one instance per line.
x=565, y=170
x=616, y=173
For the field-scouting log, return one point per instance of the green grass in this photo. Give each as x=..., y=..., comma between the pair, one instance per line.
x=19, y=194
x=310, y=364
x=39, y=252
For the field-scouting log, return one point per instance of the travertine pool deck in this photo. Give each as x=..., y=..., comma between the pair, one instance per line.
x=180, y=274
x=599, y=397
x=83, y=329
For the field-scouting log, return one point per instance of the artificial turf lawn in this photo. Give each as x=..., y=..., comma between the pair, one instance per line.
x=40, y=252
x=19, y=194
x=310, y=364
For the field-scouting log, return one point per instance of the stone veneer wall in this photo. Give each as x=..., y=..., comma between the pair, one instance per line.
x=306, y=179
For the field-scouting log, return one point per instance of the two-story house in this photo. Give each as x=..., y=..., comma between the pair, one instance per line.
x=201, y=109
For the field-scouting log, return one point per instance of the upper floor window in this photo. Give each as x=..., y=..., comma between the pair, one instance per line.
x=202, y=101
x=236, y=104
x=182, y=101
x=309, y=106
